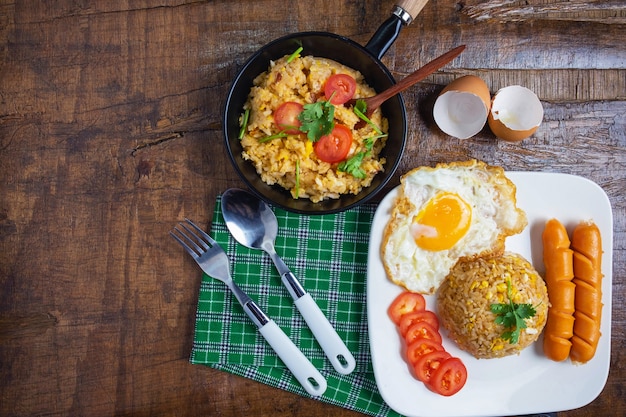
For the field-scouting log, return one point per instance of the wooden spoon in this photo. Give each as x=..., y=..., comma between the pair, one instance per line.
x=375, y=102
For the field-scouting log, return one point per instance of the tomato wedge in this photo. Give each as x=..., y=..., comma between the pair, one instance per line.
x=417, y=316
x=421, y=347
x=339, y=88
x=335, y=146
x=449, y=377
x=426, y=365
x=422, y=330
x=406, y=303
x=286, y=117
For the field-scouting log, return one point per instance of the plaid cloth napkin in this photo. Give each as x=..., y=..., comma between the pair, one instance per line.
x=328, y=254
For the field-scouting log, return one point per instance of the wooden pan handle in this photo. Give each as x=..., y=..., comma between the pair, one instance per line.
x=412, y=7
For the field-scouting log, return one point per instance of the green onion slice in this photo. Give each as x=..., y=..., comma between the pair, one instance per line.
x=244, y=123
x=294, y=55
x=297, y=179
x=272, y=137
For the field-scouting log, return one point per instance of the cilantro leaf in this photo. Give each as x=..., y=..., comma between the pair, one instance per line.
x=511, y=336
x=360, y=106
x=318, y=119
x=526, y=310
x=353, y=164
x=369, y=142
x=499, y=309
x=507, y=318
x=512, y=316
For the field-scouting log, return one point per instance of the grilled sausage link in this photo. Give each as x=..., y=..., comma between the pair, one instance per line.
x=587, y=246
x=558, y=261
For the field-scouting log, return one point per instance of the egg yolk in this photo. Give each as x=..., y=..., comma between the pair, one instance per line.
x=442, y=222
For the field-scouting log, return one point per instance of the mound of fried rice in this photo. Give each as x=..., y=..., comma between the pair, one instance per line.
x=291, y=161
x=465, y=297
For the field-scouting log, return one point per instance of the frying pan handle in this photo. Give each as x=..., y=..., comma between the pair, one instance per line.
x=403, y=14
x=411, y=7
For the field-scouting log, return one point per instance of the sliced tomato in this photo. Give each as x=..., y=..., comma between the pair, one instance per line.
x=335, y=146
x=405, y=303
x=339, y=88
x=421, y=347
x=426, y=365
x=421, y=329
x=449, y=377
x=286, y=117
x=417, y=316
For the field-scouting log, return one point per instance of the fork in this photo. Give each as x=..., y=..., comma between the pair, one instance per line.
x=215, y=263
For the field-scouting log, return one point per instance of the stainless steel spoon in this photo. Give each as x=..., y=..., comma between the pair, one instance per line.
x=253, y=224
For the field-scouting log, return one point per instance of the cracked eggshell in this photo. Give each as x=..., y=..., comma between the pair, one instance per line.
x=462, y=107
x=516, y=113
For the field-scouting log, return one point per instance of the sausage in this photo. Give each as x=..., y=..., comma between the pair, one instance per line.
x=558, y=261
x=587, y=246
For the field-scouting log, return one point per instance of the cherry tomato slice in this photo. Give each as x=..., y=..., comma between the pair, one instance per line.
x=406, y=303
x=422, y=330
x=421, y=347
x=334, y=147
x=286, y=117
x=416, y=316
x=426, y=365
x=449, y=377
x=342, y=86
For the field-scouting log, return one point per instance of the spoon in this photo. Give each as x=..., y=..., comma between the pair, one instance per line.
x=376, y=101
x=253, y=224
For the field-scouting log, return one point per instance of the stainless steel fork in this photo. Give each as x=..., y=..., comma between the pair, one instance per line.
x=214, y=262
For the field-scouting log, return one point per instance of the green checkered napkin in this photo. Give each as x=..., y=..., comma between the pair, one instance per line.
x=328, y=254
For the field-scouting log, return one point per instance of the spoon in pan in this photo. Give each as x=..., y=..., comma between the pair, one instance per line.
x=254, y=225
x=376, y=101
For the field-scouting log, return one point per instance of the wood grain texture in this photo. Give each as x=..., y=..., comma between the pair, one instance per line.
x=601, y=11
x=110, y=133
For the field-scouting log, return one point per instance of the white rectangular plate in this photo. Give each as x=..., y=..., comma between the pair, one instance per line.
x=521, y=384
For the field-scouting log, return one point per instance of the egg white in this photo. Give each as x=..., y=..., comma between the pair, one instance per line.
x=495, y=216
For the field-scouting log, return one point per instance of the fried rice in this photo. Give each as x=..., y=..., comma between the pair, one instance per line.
x=291, y=161
x=464, y=304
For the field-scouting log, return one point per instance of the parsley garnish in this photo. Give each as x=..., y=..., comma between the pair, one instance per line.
x=512, y=316
x=317, y=119
x=353, y=164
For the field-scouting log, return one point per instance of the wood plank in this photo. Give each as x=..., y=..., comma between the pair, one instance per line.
x=601, y=11
x=110, y=133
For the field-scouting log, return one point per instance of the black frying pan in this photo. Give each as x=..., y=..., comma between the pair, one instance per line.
x=327, y=45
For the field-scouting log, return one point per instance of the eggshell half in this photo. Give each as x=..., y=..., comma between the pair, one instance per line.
x=462, y=107
x=516, y=113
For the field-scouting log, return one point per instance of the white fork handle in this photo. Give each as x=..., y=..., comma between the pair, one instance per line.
x=332, y=345
x=304, y=371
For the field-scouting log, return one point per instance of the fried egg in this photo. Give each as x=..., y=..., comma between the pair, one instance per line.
x=461, y=210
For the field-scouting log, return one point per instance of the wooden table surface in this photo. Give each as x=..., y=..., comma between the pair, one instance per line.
x=110, y=133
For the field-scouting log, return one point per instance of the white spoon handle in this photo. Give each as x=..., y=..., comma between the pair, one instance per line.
x=326, y=335
x=304, y=371
x=332, y=345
